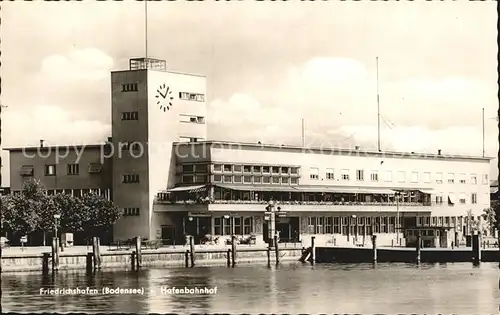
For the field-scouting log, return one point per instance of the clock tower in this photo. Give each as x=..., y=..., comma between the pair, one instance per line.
x=152, y=108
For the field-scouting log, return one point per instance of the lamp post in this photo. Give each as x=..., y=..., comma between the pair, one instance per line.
x=231, y=225
x=397, y=195
x=355, y=228
x=56, y=223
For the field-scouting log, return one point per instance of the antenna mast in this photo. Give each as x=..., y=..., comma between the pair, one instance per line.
x=483, y=130
x=303, y=134
x=378, y=112
x=146, y=27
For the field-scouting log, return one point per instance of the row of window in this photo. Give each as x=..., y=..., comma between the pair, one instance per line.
x=241, y=226
x=351, y=225
x=130, y=179
x=130, y=115
x=387, y=176
x=192, y=96
x=76, y=192
x=462, y=198
x=189, y=139
x=255, y=169
x=129, y=87
x=131, y=212
x=192, y=119
x=255, y=179
x=71, y=169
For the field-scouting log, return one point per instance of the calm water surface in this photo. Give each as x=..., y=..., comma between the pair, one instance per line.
x=292, y=288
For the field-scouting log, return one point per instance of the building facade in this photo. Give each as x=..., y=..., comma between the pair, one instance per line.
x=170, y=181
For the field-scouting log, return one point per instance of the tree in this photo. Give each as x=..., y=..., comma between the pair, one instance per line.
x=489, y=217
x=72, y=211
x=6, y=212
x=101, y=213
x=22, y=217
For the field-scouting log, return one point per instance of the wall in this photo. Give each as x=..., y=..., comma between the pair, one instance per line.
x=39, y=157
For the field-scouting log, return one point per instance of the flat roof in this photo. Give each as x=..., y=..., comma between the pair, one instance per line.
x=52, y=147
x=164, y=71
x=331, y=150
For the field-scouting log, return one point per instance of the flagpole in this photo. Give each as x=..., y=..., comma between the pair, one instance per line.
x=146, y=27
x=378, y=112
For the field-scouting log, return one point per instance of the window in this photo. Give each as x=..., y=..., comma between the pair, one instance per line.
x=237, y=225
x=237, y=168
x=201, y=168
x=451, y=178
x=344, y=174
x=485, y=179
x=285, y=180
x=218, y=226
x=265, y=169
x=131, y=212
x=73, y=169
x=189, y=139
x=228, y=168
x=462, y=178
x=188, y=168
x=247, y=226
x=414, y=177
x=257, y=179
x=427, y=177
x=319, y=225
x=439, y=178
x=276, y=180
x=129, y=87
x=294, y=181
x=130, y=115
x=217, y=168
x=401, y=177
x=266, y=180
x=439, y=199
x=374, y=176
x=228, y=179
x=473, y=179
x=95, y=168
x=257, y=169
x=486, y=198
x=462, y=199
x=26, y=170
x=330, y=174
x=237, y=179
x=275, y=170
x=247, y=169
x=360, y=175
x=285, y=170
x=130, y=178
x=50, y=170
x=294, y=170
x=314, y=173
x=217, y=178
x=247, y=179
x=451, y=199
x=473, y=198
x=227, y=226
x=192, y=96
x=311, y=225
x=388, y=176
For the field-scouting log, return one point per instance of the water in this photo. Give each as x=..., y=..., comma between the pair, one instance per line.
x=292, y=288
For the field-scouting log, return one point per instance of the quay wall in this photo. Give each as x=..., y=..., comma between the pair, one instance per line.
x=33, y=262
x=401, y=255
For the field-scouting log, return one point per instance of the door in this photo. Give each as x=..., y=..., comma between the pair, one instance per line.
x=168, y=234
x=265, y=231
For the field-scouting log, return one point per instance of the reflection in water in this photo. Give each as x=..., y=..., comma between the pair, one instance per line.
x=290, y=288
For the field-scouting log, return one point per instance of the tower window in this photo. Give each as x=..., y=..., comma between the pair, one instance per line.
x=130, y=178
x=130, y=115
x=129, y=87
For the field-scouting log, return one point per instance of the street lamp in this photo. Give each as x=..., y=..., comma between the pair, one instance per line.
x=56, y=223
x=397, y=195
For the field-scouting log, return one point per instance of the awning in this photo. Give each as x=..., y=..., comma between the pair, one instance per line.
x=345, y=190
x=95, y=168
x=190, y=189
x=426, y=191
x=26, y=170
x=258, y=187
x=493, y=190
x=451, y=199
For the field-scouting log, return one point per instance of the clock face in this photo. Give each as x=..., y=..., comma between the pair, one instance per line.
x=164, y=97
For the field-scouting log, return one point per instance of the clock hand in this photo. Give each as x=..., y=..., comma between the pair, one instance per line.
x=162, y=95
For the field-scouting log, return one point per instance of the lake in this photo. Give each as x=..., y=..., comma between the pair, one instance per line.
x=289, y=288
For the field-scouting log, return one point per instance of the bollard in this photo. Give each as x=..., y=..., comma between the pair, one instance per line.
x=99, y=253
x=138, y=253
x=90, y=258
x=276, y=249
x=55, y=258
x=476, y=249
x=186, y=258
x=228, y=257
x=269, y=257
x=418, y=247
x=374, y=249
x=233, y=250
x=132, y=260
x=313, y=250
x=191, y=249
x=95, y=251
x=45, y=263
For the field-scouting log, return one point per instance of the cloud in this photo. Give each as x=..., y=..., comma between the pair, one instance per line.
x=337, y=99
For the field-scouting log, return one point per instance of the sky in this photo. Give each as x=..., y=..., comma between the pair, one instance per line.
x=268, y=66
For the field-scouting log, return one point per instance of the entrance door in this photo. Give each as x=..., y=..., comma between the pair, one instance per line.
x=265, y=231
x=168, y=234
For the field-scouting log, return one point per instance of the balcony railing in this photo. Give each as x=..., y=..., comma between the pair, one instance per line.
x=332, y=203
